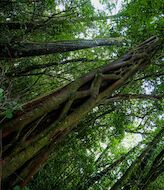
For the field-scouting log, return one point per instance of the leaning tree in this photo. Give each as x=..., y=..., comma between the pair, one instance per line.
x=32, y=133
x=41, y=52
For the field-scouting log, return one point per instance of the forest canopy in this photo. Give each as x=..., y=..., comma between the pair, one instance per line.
x=81, y=94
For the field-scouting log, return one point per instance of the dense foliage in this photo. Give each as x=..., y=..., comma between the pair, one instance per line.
x=119, y=144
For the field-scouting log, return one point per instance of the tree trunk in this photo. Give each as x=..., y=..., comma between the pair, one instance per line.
x=16, y=72
x=46, y=121
x=34, y=49
x=91, y=180
x=138, y=168
x=129, y=176
x=157, y=168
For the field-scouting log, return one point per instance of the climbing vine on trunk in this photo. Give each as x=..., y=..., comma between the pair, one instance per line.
x=31, y=135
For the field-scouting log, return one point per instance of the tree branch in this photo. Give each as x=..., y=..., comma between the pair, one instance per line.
x=21, y=72
x=121, y=97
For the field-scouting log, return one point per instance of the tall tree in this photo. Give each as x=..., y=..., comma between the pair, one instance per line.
x=87, y=146
x=134, y=176
x=138, y=168
x=34, y=49
x=32, y=133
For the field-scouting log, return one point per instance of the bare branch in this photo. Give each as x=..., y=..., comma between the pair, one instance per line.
x=121, y=97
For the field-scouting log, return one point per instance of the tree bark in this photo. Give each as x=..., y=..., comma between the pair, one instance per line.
x=35, y=49
x=49, y=119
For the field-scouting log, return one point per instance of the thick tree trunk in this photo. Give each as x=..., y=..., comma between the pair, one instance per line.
x=34, y=49
x=46, y=121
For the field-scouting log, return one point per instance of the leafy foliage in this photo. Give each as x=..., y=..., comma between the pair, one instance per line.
x=114, y=127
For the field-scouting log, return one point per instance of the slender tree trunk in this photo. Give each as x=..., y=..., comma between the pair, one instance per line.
x=91, y=180
x=34, y=49
x=47, y=120
x=21, y=71
x=156, y=169
x=138, y=167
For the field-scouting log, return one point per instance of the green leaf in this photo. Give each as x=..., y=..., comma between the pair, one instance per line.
x=16, y=188
x=1, y=93
x=1, y=90
x=9, y=113
x=26, y=188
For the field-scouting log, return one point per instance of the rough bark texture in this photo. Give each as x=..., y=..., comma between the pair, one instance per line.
x=21, y=49
x=47, y=120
